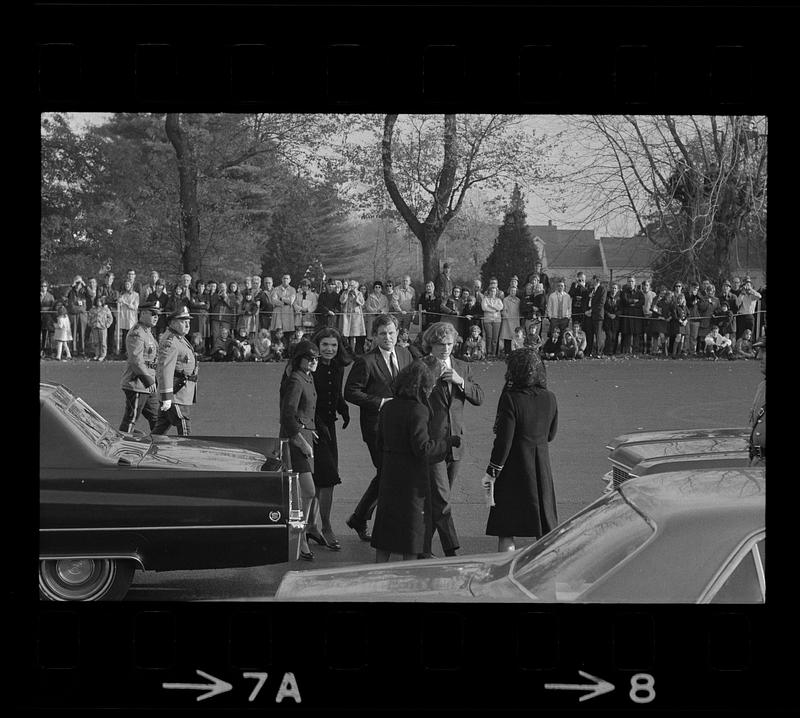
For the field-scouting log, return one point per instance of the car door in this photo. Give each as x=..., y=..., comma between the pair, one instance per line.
x=743, y=579
x=171, y=519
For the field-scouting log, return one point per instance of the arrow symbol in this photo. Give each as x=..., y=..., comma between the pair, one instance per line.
x=596, y=689
x=212, y=689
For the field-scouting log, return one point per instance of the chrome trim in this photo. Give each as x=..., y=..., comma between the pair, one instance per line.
x=723, y=574
x=171, y=528
x=513, y=580
x=762, y=577
x=117, y=556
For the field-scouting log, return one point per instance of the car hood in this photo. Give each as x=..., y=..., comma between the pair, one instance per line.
x=462, y=578
x=640, y=437
x=188, y=454
x=630, y=454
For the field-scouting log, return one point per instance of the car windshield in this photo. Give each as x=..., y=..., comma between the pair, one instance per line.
x=566, y=562
x=91, y=424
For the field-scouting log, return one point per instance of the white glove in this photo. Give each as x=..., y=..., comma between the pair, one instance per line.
x=487, y=482
x=166, y=404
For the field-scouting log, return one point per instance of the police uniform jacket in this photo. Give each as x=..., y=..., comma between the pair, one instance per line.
x=142, y=351
x=176, y=364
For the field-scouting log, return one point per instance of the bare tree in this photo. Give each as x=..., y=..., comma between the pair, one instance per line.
x=422, y=167
x=695, y=184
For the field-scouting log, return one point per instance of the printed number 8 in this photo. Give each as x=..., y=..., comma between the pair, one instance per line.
x=642, y=683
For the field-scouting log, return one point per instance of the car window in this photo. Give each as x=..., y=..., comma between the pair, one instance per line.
x=90, y=423
x=742, y=586
x=566, y=562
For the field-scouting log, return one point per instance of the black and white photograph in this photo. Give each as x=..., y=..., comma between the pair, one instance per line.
x=387, y=358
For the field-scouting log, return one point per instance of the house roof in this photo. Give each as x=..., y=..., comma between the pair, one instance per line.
x=568, y=247
x=628, y=252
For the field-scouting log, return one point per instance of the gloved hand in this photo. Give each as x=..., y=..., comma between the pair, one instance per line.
x=166, y=404
x=487, y=482
x=455, y=441
x=345, y=420
x=152, y=389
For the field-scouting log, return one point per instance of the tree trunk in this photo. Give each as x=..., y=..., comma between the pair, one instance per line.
x=187, y=178
x=429, y=239
x=429, y=231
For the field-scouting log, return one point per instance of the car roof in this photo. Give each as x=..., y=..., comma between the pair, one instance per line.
x=700, y=519
x=673, y=492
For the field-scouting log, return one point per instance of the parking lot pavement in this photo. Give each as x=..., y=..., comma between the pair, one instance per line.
x=597, y=400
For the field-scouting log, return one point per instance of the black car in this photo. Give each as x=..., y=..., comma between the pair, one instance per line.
x=111, y=502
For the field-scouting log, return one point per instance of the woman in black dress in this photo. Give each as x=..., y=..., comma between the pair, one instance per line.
x=298, y=408
x=328, y=382
x=519, y=468
x=407, y=450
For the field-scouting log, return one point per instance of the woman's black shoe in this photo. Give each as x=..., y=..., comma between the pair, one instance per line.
x=306, y=555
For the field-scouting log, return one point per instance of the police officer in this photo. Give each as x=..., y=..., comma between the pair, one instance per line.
x=139, y=379
x=176, y=373
x=758, y=414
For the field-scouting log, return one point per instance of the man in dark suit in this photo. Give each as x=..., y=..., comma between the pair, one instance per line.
x=369, y=387
x=594, y=318
x=446, y=402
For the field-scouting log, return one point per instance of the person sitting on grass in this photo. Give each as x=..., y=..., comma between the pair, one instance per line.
x=717, y=345
x=532, y=339
x=262, y=345
x=518, y=341
x=278, y=348
x=580, y=339
x=571, y=348
x=223, y=346
x=474, y=348
x=553, y=348
x=241, y=349
x=744, y=346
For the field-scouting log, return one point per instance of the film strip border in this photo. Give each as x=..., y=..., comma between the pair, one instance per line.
x=302, y=58
x=404, y=657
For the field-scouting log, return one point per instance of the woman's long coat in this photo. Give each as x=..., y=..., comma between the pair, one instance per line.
x=525, y=501
x=407, y=449
x=352, y=314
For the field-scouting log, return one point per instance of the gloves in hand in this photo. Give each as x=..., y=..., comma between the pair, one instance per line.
x=487, y=482
x=346, y=420
x=165, y=405
x=455, y=441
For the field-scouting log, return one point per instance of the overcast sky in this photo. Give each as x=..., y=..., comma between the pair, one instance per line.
x=538, y=210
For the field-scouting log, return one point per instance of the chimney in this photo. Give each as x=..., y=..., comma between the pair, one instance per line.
x=549, y=222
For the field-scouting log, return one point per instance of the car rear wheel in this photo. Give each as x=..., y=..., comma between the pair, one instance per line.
x=84, y=579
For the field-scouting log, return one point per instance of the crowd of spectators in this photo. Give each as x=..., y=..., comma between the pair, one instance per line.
x=258, y=320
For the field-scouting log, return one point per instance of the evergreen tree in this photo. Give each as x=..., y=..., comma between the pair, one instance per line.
x=514, y=251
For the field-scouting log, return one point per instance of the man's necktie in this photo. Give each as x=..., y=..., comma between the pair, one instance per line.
x=393, y=365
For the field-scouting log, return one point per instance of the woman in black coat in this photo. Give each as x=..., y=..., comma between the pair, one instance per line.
x=407, y=449
x=328, y=380
x=298, y=409
x=519, y=469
